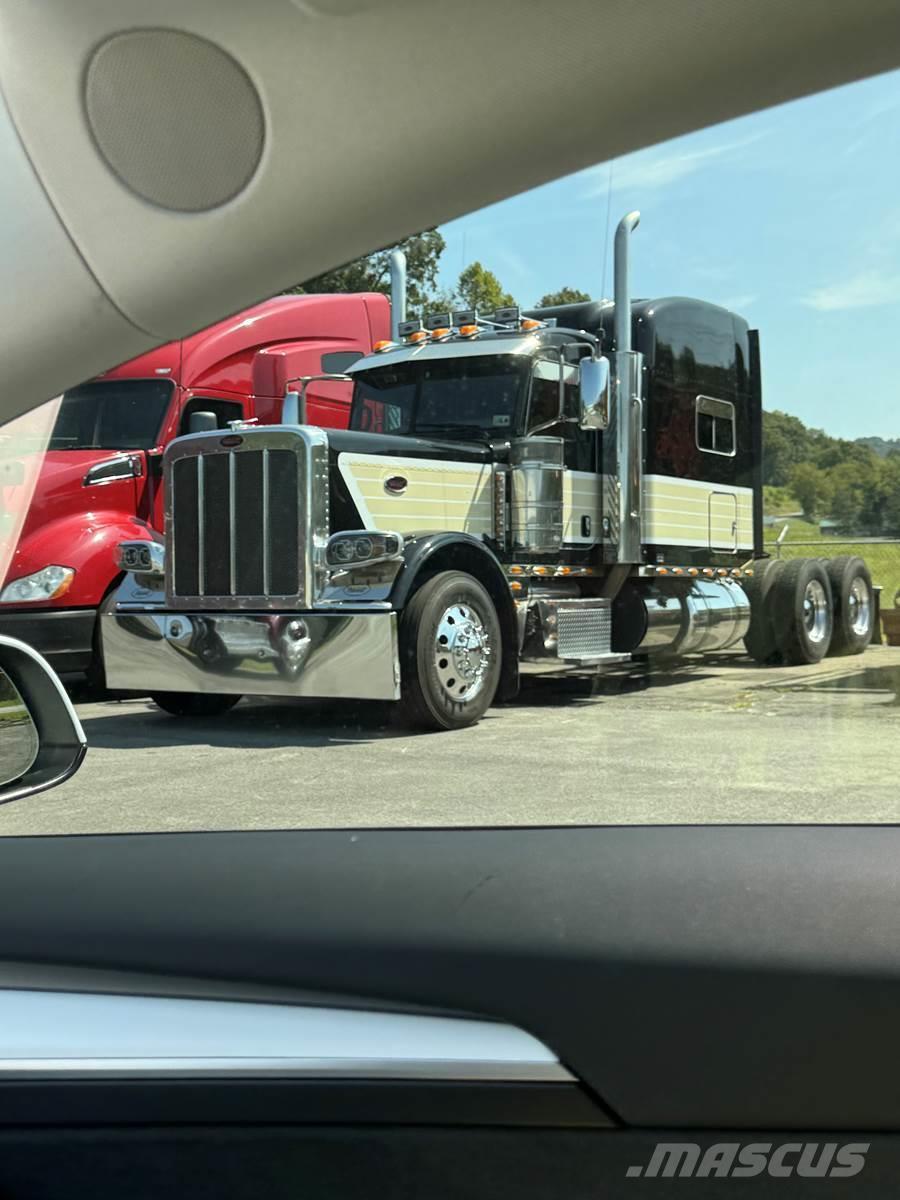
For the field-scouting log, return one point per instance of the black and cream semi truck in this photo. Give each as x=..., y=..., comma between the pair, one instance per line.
x=541, y=494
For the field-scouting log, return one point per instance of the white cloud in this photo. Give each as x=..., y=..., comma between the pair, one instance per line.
x=862, y=290
x=649, y=169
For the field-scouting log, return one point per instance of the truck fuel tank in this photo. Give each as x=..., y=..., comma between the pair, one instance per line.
x=705, y=617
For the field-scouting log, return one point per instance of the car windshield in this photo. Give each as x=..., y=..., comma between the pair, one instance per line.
x=456, y=396
x=112, y=415
x=609, y=586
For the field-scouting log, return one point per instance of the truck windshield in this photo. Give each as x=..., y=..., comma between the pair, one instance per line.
x=448, y=397
x=115, y=414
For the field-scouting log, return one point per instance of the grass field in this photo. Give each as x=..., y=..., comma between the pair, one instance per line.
x=883, y=558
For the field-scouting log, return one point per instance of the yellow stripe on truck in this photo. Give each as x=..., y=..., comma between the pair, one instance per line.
x=436, y=497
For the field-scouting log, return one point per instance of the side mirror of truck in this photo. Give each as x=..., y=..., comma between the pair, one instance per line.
x=41, y=740
x=202, y=422
x=593, y=392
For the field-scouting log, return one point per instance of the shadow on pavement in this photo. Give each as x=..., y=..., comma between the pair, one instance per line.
x=270, y=724
x=637, y=677
x=261, y=725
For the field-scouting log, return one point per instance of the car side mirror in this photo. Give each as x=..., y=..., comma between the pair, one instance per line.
x=593, y=393
x=41, y=740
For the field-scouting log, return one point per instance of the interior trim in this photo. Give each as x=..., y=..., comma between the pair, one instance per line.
x=66, y=1035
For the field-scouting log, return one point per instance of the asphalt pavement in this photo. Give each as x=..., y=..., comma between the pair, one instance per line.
x=716, y=740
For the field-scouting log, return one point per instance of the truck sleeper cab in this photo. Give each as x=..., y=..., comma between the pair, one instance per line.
x=512, y=496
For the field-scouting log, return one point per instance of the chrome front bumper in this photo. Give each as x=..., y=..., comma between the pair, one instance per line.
x=327, y=655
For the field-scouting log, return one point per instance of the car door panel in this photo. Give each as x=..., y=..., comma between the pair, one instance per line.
x=739, y=977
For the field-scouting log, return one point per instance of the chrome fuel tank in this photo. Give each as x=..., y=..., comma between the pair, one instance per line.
x=714, y=614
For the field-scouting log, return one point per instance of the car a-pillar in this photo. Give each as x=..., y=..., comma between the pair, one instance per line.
x=457, y=632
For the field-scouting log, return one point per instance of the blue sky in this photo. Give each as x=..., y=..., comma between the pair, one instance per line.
x=790, y=216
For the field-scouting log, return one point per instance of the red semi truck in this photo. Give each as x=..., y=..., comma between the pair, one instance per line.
x=100, y=482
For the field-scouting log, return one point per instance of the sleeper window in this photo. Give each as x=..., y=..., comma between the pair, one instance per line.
x=715, y=425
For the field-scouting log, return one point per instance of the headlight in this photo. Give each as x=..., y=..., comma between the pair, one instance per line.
x=360, y=547
x=42, y=585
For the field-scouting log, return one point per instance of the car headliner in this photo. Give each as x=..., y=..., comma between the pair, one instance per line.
x=382, y=117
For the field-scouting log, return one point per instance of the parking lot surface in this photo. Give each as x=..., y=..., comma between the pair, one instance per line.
x=716, y=740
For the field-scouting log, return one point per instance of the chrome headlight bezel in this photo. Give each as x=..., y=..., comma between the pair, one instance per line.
x=352, y=548
x=141, y=558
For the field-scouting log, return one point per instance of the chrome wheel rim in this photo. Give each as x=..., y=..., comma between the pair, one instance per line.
x=816, y=616
x=462, y=653
x=859, y=604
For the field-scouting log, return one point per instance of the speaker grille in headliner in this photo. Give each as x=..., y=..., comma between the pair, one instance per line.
x=176, y=118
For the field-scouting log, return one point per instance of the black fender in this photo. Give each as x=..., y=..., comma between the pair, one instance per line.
x=430, y=553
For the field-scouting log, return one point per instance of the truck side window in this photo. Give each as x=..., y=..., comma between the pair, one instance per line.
x=715, y=425
x=225, y=410
x=579, y=446
x=544, y=400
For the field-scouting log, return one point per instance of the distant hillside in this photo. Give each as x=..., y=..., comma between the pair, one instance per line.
x=856, y=483
x=881, y=446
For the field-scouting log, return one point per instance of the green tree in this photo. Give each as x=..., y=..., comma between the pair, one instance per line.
x=851, y=483
x=890, y=495
x=786, y=443
x=372, y=272
x=565, y=295
x=480, y=288
x=813, y=490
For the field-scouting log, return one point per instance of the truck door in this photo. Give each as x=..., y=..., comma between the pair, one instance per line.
x=582, y=498
x=723, y=521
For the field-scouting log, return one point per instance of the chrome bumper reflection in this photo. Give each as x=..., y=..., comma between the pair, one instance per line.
x=341, y=655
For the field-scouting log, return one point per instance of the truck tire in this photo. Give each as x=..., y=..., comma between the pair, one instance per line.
x=450, y=650
x=191, y=704
x=803, y=611
x=854, y=608
x=760, y=642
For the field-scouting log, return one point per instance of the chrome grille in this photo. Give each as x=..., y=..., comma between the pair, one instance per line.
x=583, y=630
x=241, y=523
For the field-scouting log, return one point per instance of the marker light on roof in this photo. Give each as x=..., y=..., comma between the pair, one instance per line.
x=530, y=323
x=384, y=344
x=418, y=335
x=468, y=331
x=439, y=335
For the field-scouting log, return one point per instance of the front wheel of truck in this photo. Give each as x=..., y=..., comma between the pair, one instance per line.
x=190, y=704
x=450, y=651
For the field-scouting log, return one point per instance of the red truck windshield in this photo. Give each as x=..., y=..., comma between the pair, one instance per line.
x=114, y=414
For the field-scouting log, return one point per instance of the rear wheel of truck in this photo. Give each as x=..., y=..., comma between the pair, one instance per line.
x=188, y=704
x=760, y=641
x=854, y=604
x=450, y=650
x=803, y=611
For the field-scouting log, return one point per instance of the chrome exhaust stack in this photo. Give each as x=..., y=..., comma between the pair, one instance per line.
x=623, y=458
x=398, y=292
